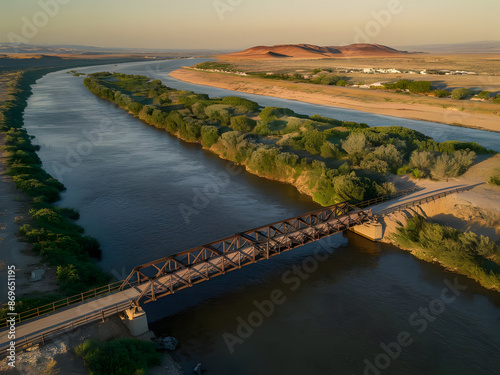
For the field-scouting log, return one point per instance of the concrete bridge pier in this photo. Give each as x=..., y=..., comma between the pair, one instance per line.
x=136, y=321
x=373, y=230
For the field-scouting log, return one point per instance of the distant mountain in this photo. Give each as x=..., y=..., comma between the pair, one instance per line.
x=470, y=47
x=56, y=49
x=309, y=51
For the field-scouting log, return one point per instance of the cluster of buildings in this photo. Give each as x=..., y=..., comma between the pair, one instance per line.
x=396, y=71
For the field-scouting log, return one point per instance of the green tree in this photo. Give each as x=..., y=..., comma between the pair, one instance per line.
x=209, y=135
x=313, y=140
x=441, y=93
x=356, y=145
x=485, y=95
x=243, y=124
x=422, y=161
x=460, y=94
x=418, y=87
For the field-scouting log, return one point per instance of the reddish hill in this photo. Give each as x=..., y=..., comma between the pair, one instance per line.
x=365, y=49
x=309, y=51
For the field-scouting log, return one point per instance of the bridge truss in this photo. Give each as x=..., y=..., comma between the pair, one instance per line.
x=165, y=276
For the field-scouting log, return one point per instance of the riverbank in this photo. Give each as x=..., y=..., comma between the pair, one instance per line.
x=477, y=210
x=58, y=356
x=14, y=212
x=458, y=113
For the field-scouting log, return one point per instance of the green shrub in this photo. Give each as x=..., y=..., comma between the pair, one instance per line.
x=135, y=107
x=236, y=101
x=417, y=173
x=243, y=124
x=494, y=180
x=118, y=357
x=356, y=145
x=269, y=114
x=441, y=93
x=418, y=87
x=209, y=135
x=461, y=94
x=454, y=165
x=313, y=140
x=452, y=146
x=403, y=170
x=467, y=253
x=214, y=65
x=485, y=95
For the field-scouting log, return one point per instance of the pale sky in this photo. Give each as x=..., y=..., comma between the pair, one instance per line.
x=239, y=24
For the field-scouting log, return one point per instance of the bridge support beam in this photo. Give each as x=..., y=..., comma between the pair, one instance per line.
x=136, y=321
x=373, y=231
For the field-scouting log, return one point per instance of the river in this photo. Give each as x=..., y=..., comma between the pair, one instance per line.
x=144, y=195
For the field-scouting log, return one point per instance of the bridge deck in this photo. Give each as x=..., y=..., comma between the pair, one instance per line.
x=71, y=317
x=438, y=190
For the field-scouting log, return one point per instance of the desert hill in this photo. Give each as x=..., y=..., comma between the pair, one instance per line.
x=309, y=51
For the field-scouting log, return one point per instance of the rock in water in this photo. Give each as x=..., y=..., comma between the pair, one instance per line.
x=36, y=275
x=169, y=343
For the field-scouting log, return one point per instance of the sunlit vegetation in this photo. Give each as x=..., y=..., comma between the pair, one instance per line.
x=51, y=229
x=467, y=253
x=119, y=356
x=416, y=87
x=328, y=159
x=461, y=94
x=494, y=180
x=218, y=66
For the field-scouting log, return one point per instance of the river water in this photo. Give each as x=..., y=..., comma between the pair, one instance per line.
x=144, y=195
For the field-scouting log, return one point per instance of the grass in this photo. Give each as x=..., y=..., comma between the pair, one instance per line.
x=118, y=357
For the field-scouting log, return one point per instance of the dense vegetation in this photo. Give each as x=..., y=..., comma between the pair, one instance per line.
x=467, y=253
x=118, y=357
x=328, y=159
x=51, y=230
x=416, y=87
x=218, y=66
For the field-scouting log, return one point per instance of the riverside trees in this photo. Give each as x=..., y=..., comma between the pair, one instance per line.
x=328, y=159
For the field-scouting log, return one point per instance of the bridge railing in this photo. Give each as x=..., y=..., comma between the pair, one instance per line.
x=41, y=337
x=388, y=197
x=56, y=305
x=417, y=202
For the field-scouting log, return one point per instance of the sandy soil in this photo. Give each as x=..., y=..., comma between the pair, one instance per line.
x=371, y=101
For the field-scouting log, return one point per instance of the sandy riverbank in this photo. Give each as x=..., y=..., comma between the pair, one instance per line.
x=476, y=210
x=468, y=114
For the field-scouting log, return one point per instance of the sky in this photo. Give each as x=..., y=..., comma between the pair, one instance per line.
x=239, y=24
